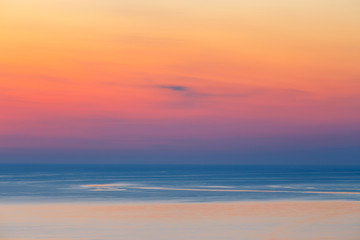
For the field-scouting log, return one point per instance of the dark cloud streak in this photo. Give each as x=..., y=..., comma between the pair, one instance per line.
x=177, y=88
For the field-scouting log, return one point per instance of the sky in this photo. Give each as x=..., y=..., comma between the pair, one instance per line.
x=215, y=81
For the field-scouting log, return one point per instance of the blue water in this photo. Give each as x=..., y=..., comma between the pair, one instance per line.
x=176, y=183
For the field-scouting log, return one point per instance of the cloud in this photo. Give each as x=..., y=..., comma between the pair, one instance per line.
x=5, y=76
x=247, y=91
x=11, y=98
x=175, y=88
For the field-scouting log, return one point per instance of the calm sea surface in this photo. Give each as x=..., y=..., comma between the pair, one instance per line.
x=176, y=183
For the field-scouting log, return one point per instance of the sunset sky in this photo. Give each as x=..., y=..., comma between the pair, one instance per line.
x=216, y=81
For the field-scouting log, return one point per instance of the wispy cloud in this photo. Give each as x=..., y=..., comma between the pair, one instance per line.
x=246, y=91
x=189, y=95
x=175, y=88
x=6, y=75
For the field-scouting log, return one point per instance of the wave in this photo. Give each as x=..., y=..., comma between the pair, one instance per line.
x=125, y=186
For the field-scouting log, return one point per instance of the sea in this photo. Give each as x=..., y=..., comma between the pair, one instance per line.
x=176, y=183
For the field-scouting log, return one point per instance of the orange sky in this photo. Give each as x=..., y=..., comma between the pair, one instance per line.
x=173, y=71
